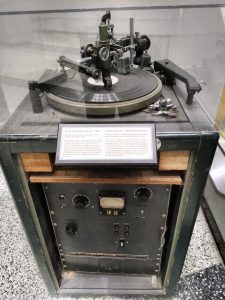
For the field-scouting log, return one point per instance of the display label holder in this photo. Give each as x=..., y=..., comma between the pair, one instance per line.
x=108, y=144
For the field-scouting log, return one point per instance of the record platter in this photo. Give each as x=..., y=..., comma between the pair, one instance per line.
x=129, y=93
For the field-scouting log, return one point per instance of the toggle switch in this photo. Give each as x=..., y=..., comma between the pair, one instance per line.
x=122, y=243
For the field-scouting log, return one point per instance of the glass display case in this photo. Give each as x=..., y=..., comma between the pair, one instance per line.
x=110, y=119
x=32, y=42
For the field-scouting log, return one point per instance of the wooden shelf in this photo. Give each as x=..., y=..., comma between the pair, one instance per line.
x=36, y=162
x=109, y=176
x=173, y=160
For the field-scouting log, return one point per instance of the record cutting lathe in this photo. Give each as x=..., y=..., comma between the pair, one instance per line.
x=107, y=160
x=115, y=75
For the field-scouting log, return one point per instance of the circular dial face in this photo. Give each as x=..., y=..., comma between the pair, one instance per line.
x=104, y=53
x=81, y=201
x=143, y=194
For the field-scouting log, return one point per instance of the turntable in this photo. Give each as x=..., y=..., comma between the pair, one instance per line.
x=107, y=81
x=108, y=229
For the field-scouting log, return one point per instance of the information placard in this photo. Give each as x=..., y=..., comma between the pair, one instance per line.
x=112, y=144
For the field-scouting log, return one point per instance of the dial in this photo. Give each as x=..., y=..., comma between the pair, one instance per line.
x=143, y=194
x=104, y=53
x=81, y=201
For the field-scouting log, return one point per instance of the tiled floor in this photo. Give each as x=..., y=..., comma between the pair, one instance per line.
x=20, y=278
x=208, y=284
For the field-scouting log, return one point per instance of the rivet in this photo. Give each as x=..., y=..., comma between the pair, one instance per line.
x=54, y=224
x=163, y=215
x=52, y=212
x=157, y=264
x=162, y=228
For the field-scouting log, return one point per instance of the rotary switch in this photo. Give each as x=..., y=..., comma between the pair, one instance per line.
x=71, y=229
x=81, y=201
x=143, y=194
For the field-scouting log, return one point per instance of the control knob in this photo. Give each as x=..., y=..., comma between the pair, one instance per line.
x=71, y=229
x=142, y=194
x=80, y=201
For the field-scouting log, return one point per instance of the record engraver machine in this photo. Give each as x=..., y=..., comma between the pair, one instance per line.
x=107, y=161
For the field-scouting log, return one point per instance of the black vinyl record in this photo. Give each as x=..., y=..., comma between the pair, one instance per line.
x=136, y=84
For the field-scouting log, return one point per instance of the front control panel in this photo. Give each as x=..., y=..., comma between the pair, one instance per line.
x=109, y=228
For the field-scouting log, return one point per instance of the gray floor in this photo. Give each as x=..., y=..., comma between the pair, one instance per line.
x=19, y=275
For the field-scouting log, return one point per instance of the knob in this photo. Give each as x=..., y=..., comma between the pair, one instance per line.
x=142, y=194
x=71, y=229
x=80, y=201
x=62, y=197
